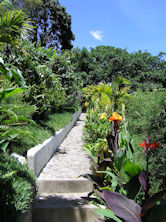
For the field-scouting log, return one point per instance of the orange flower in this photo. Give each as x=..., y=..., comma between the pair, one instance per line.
x=115, y=117
x=149, y=146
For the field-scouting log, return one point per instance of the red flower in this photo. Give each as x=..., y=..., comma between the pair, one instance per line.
x=154, y=145
x=148, y=146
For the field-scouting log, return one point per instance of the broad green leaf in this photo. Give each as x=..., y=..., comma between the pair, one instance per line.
x=5, y=93
x=19, y=79
x=13, y=135
x=132, y=187
x=21, y=118
x=3, y=146
x=120, y=158
x=131, y=169
x=107, y=213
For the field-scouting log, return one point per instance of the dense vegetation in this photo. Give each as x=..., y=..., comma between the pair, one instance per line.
x=35, y=83
x=122, y=170
x=41, y=77
x=104, y=63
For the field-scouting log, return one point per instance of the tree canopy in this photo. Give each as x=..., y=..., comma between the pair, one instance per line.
x=52, y=23
x=104, y=63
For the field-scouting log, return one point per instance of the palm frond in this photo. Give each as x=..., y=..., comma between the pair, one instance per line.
x=14, y=25
x=110, y=96
x=5, y=5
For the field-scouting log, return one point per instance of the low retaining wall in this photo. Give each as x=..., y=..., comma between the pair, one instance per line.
x=39, y=155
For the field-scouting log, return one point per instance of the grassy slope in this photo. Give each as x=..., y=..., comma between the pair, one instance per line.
x=54, y=123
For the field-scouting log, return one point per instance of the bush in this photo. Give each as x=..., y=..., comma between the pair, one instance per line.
x=146, y=114
x=71, y=80
x=17, y=189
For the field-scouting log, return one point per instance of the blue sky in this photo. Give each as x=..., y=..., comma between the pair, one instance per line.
x=131, y=24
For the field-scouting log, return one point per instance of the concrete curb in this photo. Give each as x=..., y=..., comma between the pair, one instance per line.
x=50, y=187
x=38, y=156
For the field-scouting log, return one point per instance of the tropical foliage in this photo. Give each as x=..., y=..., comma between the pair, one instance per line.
x=104, y=63
x=131, y=187
x=12, y=204
x=124, y=96
x=14, y=24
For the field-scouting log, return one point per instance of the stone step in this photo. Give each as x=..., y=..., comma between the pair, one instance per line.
x=64, y=208
x=63, y=185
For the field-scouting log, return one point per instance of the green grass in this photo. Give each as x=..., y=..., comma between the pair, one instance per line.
x=59, y=120
x=54, y=123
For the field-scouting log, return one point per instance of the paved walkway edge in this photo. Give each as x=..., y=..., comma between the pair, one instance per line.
x=38, y=156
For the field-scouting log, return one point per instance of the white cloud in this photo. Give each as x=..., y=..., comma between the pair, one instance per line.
x=97, y=35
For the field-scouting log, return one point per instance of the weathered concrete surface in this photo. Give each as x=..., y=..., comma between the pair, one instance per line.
x=62, y=173
x=39, y=155
x=73, y=185
x=64, y=208
x=61, y=186
x=19, y=158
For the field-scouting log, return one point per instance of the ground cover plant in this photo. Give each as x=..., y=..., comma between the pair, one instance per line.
x=127, y=188
x=15, y=179
x=47, y=129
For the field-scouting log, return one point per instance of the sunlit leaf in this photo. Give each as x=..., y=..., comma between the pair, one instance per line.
x=131, y=169
x=107, y=213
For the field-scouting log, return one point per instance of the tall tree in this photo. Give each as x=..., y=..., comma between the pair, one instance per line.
x=52, y=22
x=104, y=63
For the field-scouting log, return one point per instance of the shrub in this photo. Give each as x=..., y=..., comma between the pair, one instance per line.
x=17, y=189
x=146, y=114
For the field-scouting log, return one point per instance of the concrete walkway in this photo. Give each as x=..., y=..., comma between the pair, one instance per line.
x=61, y=186
x=70, y=161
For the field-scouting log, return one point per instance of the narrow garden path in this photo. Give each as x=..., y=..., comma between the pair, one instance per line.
x=70, y=161
x=61, y=186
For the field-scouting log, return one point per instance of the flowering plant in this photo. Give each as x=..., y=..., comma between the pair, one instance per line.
x=120, y=180
x=103, y=116
x=115, y=117
x=124, y=186
x=148, y=147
